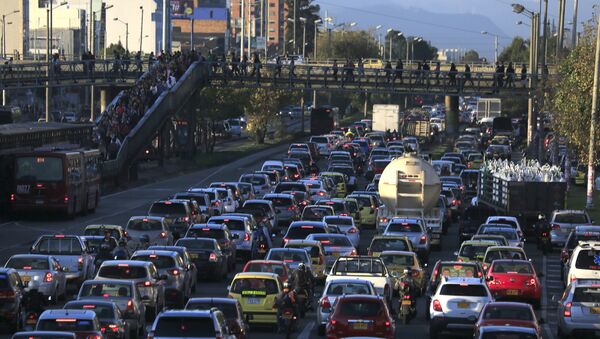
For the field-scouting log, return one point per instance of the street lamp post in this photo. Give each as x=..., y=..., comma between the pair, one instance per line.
x=126, y=32
x=495, y=44
x=295, y=5
x=377, y=28
x=48, y=52
x=4, y=31
x=303, y=36
x=105, y=47
x=142, y=27
x=317, y=22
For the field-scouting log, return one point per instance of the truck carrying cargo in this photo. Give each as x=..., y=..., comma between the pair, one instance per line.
x=488, y=108
x=417, y=128
x=386, y=117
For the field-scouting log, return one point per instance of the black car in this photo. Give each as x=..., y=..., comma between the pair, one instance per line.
x=11, y=294
x=472, y=218
x=231, y=308
x=496, y=152
x=112, y=322
x=221, y=233
x=207, y=255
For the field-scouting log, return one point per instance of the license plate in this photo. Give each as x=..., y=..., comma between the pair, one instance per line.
x=25, y=278
x=360, y=326
x=406, y=302
x=288, y=316
x=194, y=255
x=463, y=305
x=23, y=189
x=262, y=250
x=30, y=321
x=512, y=292
x=253, y=301
x=39, y=202
x=435, y=235
x=595, y=310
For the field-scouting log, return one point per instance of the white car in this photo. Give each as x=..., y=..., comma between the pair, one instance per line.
x=316, y=188
x=345, y=224
x=584, y=262
x=230, y=204
x=456, y=304
x=271, y=165
x=155, y=229
x=336, y=288
x=324, y=144
x=506, y=220
x=40, y=271
x=260, y=183
x=365, y=267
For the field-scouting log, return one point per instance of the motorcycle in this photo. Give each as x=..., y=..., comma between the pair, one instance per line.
x=407, y=298
x=543, y=231
x=30, y=321
x=289, y=321
x=304, y=301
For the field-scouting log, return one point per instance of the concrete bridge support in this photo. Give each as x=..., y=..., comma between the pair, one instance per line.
x=451, y=115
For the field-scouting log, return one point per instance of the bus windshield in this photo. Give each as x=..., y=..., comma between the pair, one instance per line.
x=39, y=169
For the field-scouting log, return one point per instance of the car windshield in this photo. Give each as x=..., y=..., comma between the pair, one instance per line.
x=232, y=224
x=464, y=290
x=196, y=244
x=39, y=169
x=473, y=251
x=105, y=290
x=586, y=294
x=341, y=288
x=512, y=268
x=360, y=308
x=254, y=286
x=184, y=327
x=144, y=225
x=160, y=261
x=288, y=256
x=59, y=246
x=229, y=310
x=404, y=227
x=268, y=268
x=508, y=313
x=339, y=221
x=588, y=260
x=66, y=325
x=102, y=311
x=206, y=233
x=398, y=260
x=457, y=270
x=258, y=180
x=122, y=272
x=24, y=263
x=333, y=241
x=359, y=266
x=382, y=244
x=571, y=218
x=167, y=208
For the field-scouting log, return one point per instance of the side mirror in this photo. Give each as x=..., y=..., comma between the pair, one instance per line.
x=32, y=250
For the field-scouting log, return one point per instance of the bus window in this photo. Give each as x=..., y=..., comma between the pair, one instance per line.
x=39, y=169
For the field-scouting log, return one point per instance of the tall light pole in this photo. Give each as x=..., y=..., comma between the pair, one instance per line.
x=561, y=28
x=295, y=38
x=377, y=28
x=243, y=25
x=48, y=53
x=126, y=32
x=495, y=44
x=574, y=29
x=4, y=30
x=389, y=31
x=316, y=22
x=142, y=27
x=303, y=36
x=593, y=117
x=105, y=47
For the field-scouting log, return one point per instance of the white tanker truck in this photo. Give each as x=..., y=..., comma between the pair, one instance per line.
x=410, y=187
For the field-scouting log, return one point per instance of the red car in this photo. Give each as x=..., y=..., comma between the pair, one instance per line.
x=359, y=316
x=500, y=313
x=514, y=280
x=269, y=266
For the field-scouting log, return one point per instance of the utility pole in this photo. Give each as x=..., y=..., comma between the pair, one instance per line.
x=142, y=28
x=543, y=83
x=166, y=29
x=304, y=39
x=295, y=38
x=495, y=48
x=48, y=50
x=574, y=29
x=242, y=31
x=561, y=27
x=593, y=117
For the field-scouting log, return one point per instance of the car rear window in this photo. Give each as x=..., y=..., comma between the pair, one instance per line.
x=347, y=288
x=404, y=227
x=160, y=261
x=268, y=268
x=28, y=263
x=512, y=267
x=473, y=251
x=333, y=241
x=281, y=202
x=509, y=313
x=66, y=325
x=337, y=206
x=359, y=266
x=196, y=244
x=504, y=254
x=316, y=213
x=457, y=270
x=232, y=224
x=144, y=225
x=586, y=294
x=349, y=171
x=290, y=187
x=339, y=221
x=102, y=311
x=380, y=245
x=123, y=272
x=100, y=232
x=360, y=308
x=588, y=260
x=319, y=140
x=301, y=232
x=59, y=246
x=206, y=233
x=313, y=251
x=571, y=218
x=267, y=286
x=254, y=179
x=183, y=327
x=228, y=309
x=201, y=200
x=167, y=208
x=509, y=234
x=504, y=222
x=464, y=290
x=287, y=256
x=105, y=290
x=587, y=236
x=398, y=260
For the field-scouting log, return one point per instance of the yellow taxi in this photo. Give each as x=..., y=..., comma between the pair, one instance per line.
x=580, y=175
x=368, y=209
x=316, y=253
x=116, y=231
x=473, y=250
x=397, y=261
x=353, y=208
x=257, y=293
x=340, y=180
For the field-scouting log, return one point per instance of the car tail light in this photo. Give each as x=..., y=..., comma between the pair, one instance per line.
x=80, y=262
x=469, y=165
x=530, y=282
x=325, y=303
x=352, y=230
x=7, y=294
x=573, y=279
x=485, y=267
x=292, y=208
x=454, y=202
x=567, y=311
x=321, y=193
x=423, y=239
x=145, y=284
x=174, y=272
x=333, y=322
x=102, y=329
x=388, y=324
x=126, y=234
x=544, y=234
x=555, y=226
x=459, y=260
x=150, y=335
x=12, y=197
x=212, y=257
x=93, y=337
x=437, y=306
x=66, y=199
x=114, y=327
x=285, y=240
x=246, y=237
x=384, y=220
x=406, y=296
x=163, y=234
x=353, y=252
x=48, y=277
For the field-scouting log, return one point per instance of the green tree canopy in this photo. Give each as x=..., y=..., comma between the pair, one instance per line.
x=471, y=56
x=517, y=51
x=347, y=44
x=306, y=9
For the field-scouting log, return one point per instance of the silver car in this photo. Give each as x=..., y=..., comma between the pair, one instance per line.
x=346, y=225
x=291, y=256
x=70, y=251
x=153, y=230
x=285, y=206
x=336, y=288
x=334, y=246
x=178, y=285
x=563, y=222
x=241, y=227
x=413, y=229
x=260, y=182
x=144, y=274
x=579, y=309
x=40, y=271
x=125, y=294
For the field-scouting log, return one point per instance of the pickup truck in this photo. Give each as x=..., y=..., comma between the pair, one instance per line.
x=364, y=267
x=70, y=251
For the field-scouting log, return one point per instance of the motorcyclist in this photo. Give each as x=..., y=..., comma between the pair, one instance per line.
x=286, y=300
x=261, y=237
x=121, y=252
x=33, y=301
x=108, y=240
x=302, y=280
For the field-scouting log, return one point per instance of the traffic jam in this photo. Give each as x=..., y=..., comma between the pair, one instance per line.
x=361, y=233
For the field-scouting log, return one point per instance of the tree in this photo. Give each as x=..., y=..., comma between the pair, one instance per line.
x=262, y=108
x=305, y=9
x=348, y=44
x=471, y=56
x=422, y=50
x=516, y=52
x=115, y=48
x=571, y=96
x=398, y=45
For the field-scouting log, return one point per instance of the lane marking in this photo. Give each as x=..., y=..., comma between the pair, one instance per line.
x=546, y=326
x=305, y=334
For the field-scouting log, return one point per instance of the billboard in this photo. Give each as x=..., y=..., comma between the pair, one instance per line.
x=181, y=8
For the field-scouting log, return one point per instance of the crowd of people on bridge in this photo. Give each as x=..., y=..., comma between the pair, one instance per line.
x=119, y=118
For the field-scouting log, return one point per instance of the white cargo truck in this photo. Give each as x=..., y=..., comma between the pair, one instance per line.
x=488, y=108
x=386, y=117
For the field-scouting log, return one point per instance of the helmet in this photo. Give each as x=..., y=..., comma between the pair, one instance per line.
x=301, y=266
